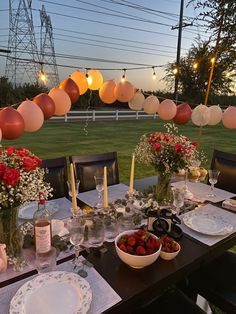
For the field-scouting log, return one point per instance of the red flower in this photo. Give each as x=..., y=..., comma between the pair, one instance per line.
x=157, y=146
x=37, y=161
x=22, y=152
x=178, y=148
x=28, y=164
x=10, y=150
x=194, y=144
x=3, y=168
x=11, y=176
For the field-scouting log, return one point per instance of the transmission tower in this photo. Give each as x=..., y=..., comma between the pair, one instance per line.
x=47, y=51
x=21, y=64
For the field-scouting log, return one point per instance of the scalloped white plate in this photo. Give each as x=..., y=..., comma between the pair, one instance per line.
x=207, y=224
x=27, y=211
x=55, y=292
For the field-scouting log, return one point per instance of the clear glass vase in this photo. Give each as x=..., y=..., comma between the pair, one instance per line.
x=163, y=189
x=11, y=236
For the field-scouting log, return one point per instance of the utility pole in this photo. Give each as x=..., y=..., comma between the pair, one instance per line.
x=177, y=64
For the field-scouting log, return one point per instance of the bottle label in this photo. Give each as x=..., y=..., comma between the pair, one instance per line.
x=43, y=239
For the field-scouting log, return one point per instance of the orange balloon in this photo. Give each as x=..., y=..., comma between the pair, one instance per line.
x=106, y=92
x=94, y=79
x=11, y=123
x=80, y=80
x=32, y=115
x=46, y=104
x=71, y=89
x=124, y=91
x=61, y=99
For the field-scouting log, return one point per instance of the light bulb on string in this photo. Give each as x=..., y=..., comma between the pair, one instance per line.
x=42, y=76
x=175, y=70
x=89, y=78
x=123, y=76
x=213, y=60
x=154, y=76
x=195, y=65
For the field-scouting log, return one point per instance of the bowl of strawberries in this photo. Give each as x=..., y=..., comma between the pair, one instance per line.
x=137, y=248
x=170, y=248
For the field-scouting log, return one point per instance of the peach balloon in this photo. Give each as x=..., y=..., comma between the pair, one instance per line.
x=80, y=80
x=95, y=79
x=136, y=103
x=61, y=99
x=106, y=92
x=167, y=109
x=32, y=115
x=71, y=89
x=201, y=115
x=124, y=91
x=11, y=123
x=0, y=135
x=46, y=104
x=229, y=117
x=215, y=115
x=151, y=104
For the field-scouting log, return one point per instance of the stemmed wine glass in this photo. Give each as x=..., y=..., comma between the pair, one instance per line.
x=77, y=182
x=99, y=188
x=213, y=178
x=178, y=195
x=76, y=227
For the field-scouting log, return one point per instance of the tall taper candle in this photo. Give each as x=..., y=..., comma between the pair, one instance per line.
x=73, y=190
x=131, y=182
x=105, y=188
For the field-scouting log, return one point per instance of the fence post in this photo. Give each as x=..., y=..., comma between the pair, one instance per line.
x=93, y=115
x=136, y=115
x=65, y=117
x=117, y=115
x=154, y=116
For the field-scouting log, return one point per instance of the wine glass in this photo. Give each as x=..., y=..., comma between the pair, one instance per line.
x=178, y=195
x=77, y=182
x=99, y=188
x=94, y=231
x=213, y=178
x=76, y=227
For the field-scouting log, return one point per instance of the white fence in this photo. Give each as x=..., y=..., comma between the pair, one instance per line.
x=95, y=115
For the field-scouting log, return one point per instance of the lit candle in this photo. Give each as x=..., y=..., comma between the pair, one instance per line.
x=105, y=188
x=73, y=190
x=131, y=182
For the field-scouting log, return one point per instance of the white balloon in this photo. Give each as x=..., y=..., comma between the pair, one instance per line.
x=200, y=115
x=136, y=103
x=0, y=135
x=215, y=115
x=151, y=104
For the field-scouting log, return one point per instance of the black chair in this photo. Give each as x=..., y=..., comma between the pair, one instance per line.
x=56, y=175
x=226, y=164
x=86, y=167
x=216, y=282
x=173, y=301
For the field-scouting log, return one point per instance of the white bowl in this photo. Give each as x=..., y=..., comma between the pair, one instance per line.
x=169, y=256
x=136, y=261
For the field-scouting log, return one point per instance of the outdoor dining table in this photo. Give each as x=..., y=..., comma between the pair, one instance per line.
x=137, y=286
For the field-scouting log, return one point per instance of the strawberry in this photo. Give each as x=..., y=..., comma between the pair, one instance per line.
x=130, y=249
x=123, y=247
x=140, y=250
x=131, y=241
x=150, y=251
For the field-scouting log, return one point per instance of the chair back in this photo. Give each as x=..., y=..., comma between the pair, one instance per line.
x=86, y=167
x=226, y=163
x=56, y=175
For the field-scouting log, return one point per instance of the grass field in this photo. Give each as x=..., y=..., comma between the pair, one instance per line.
x=56, y=139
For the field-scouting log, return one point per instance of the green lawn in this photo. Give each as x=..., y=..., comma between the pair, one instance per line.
x=57, y=139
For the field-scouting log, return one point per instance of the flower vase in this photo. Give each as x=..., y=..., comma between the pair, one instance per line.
x=163, y=189
x=12, y=237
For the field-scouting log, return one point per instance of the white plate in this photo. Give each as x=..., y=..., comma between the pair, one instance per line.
x=207, y=224
x=27, y=211
x=56, y=292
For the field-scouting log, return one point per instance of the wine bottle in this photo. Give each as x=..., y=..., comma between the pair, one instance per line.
x=42, y=227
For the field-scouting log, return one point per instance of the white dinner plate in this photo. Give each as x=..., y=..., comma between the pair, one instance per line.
x=27, y=211
x=207, y=224
x=56, y=292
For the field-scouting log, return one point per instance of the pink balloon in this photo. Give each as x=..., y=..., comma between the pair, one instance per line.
x=167, y=109
x=61, y=99
x=32, y=115
x=229, y=117
x=124, y=91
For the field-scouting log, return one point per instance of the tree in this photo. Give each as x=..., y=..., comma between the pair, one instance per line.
x=6, y=92
x=193, y=82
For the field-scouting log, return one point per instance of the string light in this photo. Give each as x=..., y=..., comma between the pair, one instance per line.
x=213, y=60
x=154, y=76
x=89, y=78
x=42, y=76
x=195, y=65
x=123, y=76
x=175, y=70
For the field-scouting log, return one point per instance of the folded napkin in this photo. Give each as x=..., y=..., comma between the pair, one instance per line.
x=229, y=204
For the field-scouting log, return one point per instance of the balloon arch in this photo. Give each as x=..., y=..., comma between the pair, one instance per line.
x=30, y=115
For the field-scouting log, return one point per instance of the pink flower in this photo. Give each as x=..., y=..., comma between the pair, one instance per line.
x=11, y=176
x=178, y=148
